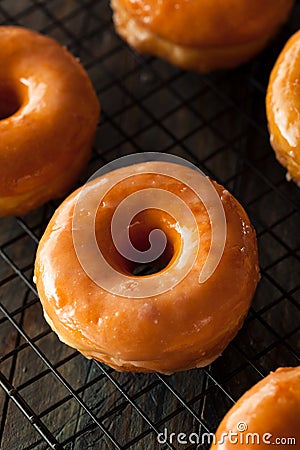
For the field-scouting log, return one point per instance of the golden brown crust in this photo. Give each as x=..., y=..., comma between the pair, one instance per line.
x=208, y=23
x=21, y=203
x=270, y=407
x=184, y=327
x=191, y=58
x=283, y=107
x=47, y=141
x=200, y=35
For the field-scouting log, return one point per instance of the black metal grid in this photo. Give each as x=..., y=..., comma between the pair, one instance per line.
x=53, y=397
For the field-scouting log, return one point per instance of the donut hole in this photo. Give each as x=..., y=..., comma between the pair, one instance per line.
x=139, y=230
x=140, y=240
x=10, y=100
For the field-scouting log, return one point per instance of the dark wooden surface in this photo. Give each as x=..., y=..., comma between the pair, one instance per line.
x=217, y=121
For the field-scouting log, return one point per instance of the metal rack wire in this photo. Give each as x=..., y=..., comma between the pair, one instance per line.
x=51, y=396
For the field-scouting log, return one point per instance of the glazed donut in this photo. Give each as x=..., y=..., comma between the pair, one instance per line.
x=283, y=108
x=200, y=35
x=270, y=411
x=174, y=322
x=48, y=117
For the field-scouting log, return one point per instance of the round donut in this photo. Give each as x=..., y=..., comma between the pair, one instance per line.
x=283, y=108
x=48, y=117
x=265, y=416
x=200, y=35
x=175, y=322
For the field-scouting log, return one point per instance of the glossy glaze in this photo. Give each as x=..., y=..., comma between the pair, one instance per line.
x=272, y=406
x=187, y=326
x=47, y=141
x=209, y=23
x=200, y=35
x=283, y=107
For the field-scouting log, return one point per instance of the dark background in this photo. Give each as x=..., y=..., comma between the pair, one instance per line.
x=50, y=392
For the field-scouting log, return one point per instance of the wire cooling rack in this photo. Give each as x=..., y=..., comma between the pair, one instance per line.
x=51, y=396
